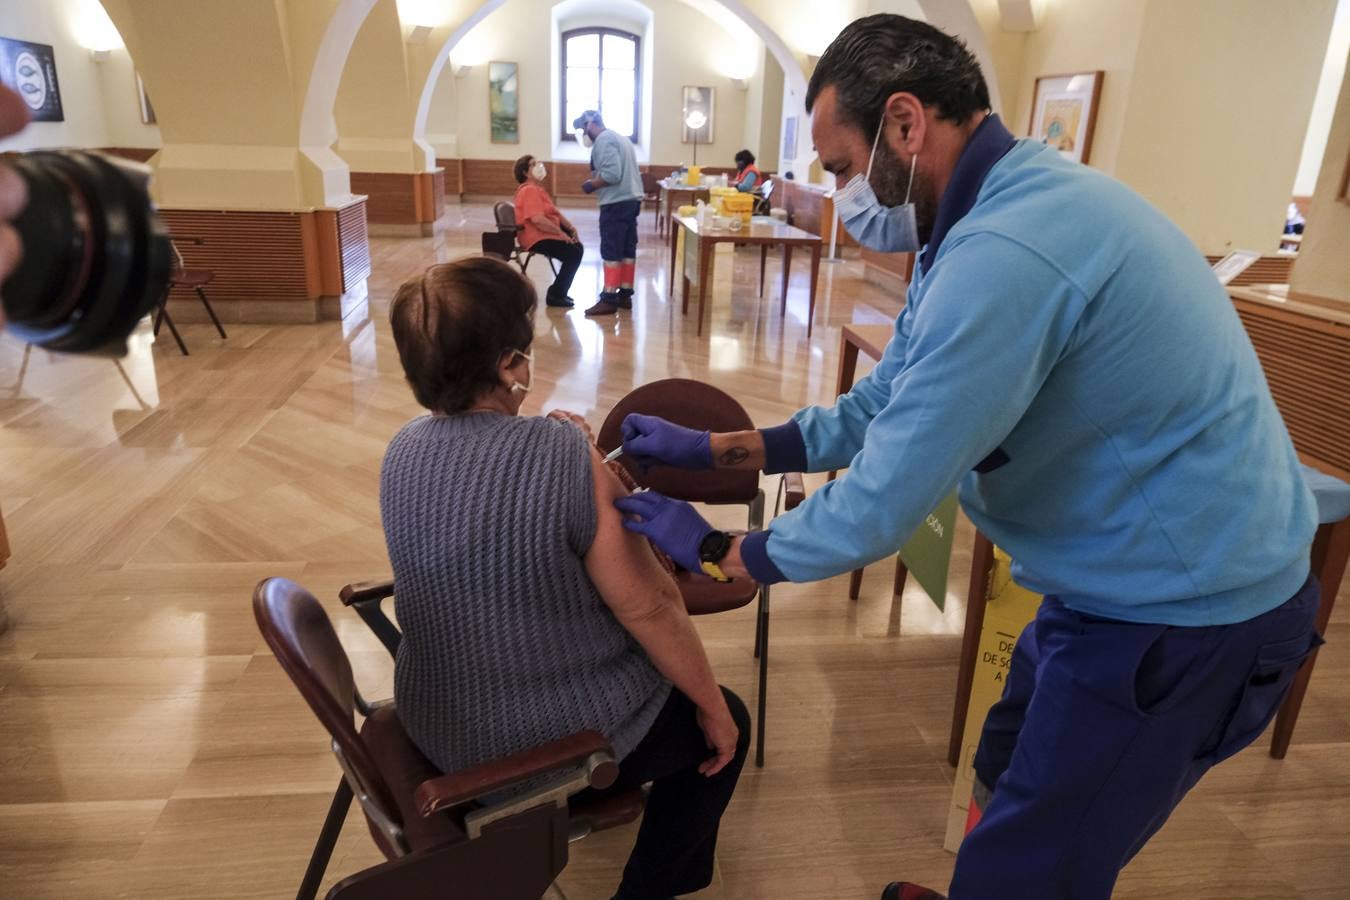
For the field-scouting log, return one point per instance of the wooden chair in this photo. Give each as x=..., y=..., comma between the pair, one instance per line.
x=651, y=196
x=504, y=212
x=1330, y=552
x=184, y=276
x=694, y=404
x=439, y=836
x=1328, y=559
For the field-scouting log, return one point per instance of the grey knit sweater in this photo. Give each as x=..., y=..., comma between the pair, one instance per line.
x=506, y=643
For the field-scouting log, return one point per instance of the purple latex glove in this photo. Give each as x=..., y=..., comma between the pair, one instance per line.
x=652, y=441
x=588, y=187
x=673, y=525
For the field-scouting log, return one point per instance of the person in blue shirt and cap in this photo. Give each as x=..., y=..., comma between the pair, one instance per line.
x=1066, y=357
x=616, y=182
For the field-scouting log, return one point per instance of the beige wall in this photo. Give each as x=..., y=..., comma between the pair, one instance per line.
x=1220, y=101
x=1324, y=105
x=1084, y=37
x=1323, y=267
x=100, y=101
x=376, y=101
x=521, y=31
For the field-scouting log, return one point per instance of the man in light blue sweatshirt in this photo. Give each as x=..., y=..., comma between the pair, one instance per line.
x=617, y=183
x=1066, y=357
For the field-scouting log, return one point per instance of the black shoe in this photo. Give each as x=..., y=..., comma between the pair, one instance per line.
x=624, y=298
x=562, y=302
x=607, y=305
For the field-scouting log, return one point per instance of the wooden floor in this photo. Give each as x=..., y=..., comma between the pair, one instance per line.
x=152, y=748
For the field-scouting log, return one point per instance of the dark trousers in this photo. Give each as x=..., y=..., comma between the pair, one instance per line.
x=678, y=836
x=619, y=230
x=1103, y=728
x=568, y=256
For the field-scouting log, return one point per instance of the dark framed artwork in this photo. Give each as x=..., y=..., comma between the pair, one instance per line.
x=697, y=99
x=504, y=102
x=29, y=70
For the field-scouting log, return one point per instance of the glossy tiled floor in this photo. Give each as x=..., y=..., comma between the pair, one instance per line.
x=152, y=748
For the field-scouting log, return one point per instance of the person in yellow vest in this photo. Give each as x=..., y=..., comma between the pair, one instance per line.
x=748, y=176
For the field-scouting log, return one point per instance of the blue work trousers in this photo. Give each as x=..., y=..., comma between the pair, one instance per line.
x=1103, y=728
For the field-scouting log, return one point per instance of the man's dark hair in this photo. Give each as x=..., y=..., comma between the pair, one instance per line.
x=452, y=324
x=881, y=55
x=745, y=158
x=523, y=168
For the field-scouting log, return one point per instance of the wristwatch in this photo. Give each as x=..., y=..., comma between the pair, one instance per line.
x=712, y=550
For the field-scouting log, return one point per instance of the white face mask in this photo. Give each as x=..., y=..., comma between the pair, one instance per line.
x=885, y=229
x=584, y=136
x=538, y=171
x=516, y=386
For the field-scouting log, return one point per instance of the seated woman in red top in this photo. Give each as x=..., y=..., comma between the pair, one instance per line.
x=545, y=230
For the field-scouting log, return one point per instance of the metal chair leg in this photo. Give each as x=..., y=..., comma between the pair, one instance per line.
x=211, y=312
x=167, y=319
x=323, y=848
x=763, y=676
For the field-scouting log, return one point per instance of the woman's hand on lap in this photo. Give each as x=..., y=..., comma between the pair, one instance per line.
x=721, y=733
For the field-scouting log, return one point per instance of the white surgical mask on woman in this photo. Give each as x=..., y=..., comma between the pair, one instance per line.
x=538, y=171
x=584, y=136
x=885, y=229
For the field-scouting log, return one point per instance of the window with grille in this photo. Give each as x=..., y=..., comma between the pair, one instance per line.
x=601, y=70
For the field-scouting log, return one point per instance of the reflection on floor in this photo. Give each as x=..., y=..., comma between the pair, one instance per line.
x=153, y=749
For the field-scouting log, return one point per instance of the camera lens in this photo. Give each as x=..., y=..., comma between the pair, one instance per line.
x=96, y=257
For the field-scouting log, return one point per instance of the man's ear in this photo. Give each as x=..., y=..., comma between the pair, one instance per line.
x=907, y=124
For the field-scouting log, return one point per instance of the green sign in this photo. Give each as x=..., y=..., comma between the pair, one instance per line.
x=929, y=552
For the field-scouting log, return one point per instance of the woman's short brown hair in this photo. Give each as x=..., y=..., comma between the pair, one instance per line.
x=523, y=168
x=452, y=324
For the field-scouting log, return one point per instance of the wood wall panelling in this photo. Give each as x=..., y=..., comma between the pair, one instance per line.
x=454, y=175
x=490, y=177
x=353, y=244
x=1270, y=269
x=391, y=197
x=255, y=254
x=1307, y=364
x=893, y=265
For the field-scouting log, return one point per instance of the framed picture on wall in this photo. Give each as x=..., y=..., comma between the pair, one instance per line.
x=29, y=70
x=697, y=99
x=147, y=111
x=504, y=102
x=1064, y=112
x=790, y=138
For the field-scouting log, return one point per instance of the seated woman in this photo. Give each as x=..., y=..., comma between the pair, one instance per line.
x=545, y=230
x=529, y=612
x=748, y=176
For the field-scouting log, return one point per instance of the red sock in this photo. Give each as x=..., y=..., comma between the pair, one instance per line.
x=628, y=271
x=613, y=274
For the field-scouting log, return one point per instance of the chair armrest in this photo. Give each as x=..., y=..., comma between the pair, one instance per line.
x=361, y=591
x=794, y=490
x=458, y=788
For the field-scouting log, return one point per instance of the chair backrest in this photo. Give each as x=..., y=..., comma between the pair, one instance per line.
x=301, y=636
x=505, y=213
x=649, y=185
x=500, y=244
x=692, y=404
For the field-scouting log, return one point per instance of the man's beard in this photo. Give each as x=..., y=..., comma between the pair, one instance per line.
x=890, y=179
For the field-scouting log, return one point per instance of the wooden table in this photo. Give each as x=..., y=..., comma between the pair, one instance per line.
x=675, y=194
x=762, y=232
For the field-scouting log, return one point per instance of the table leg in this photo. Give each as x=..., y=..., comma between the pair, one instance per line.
x=763, y=261
x=848, y=367
x=981, y=561
x=674, y=248
x=705, y=249
x=787, y=276
x=684, y=304
x=811, y=302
